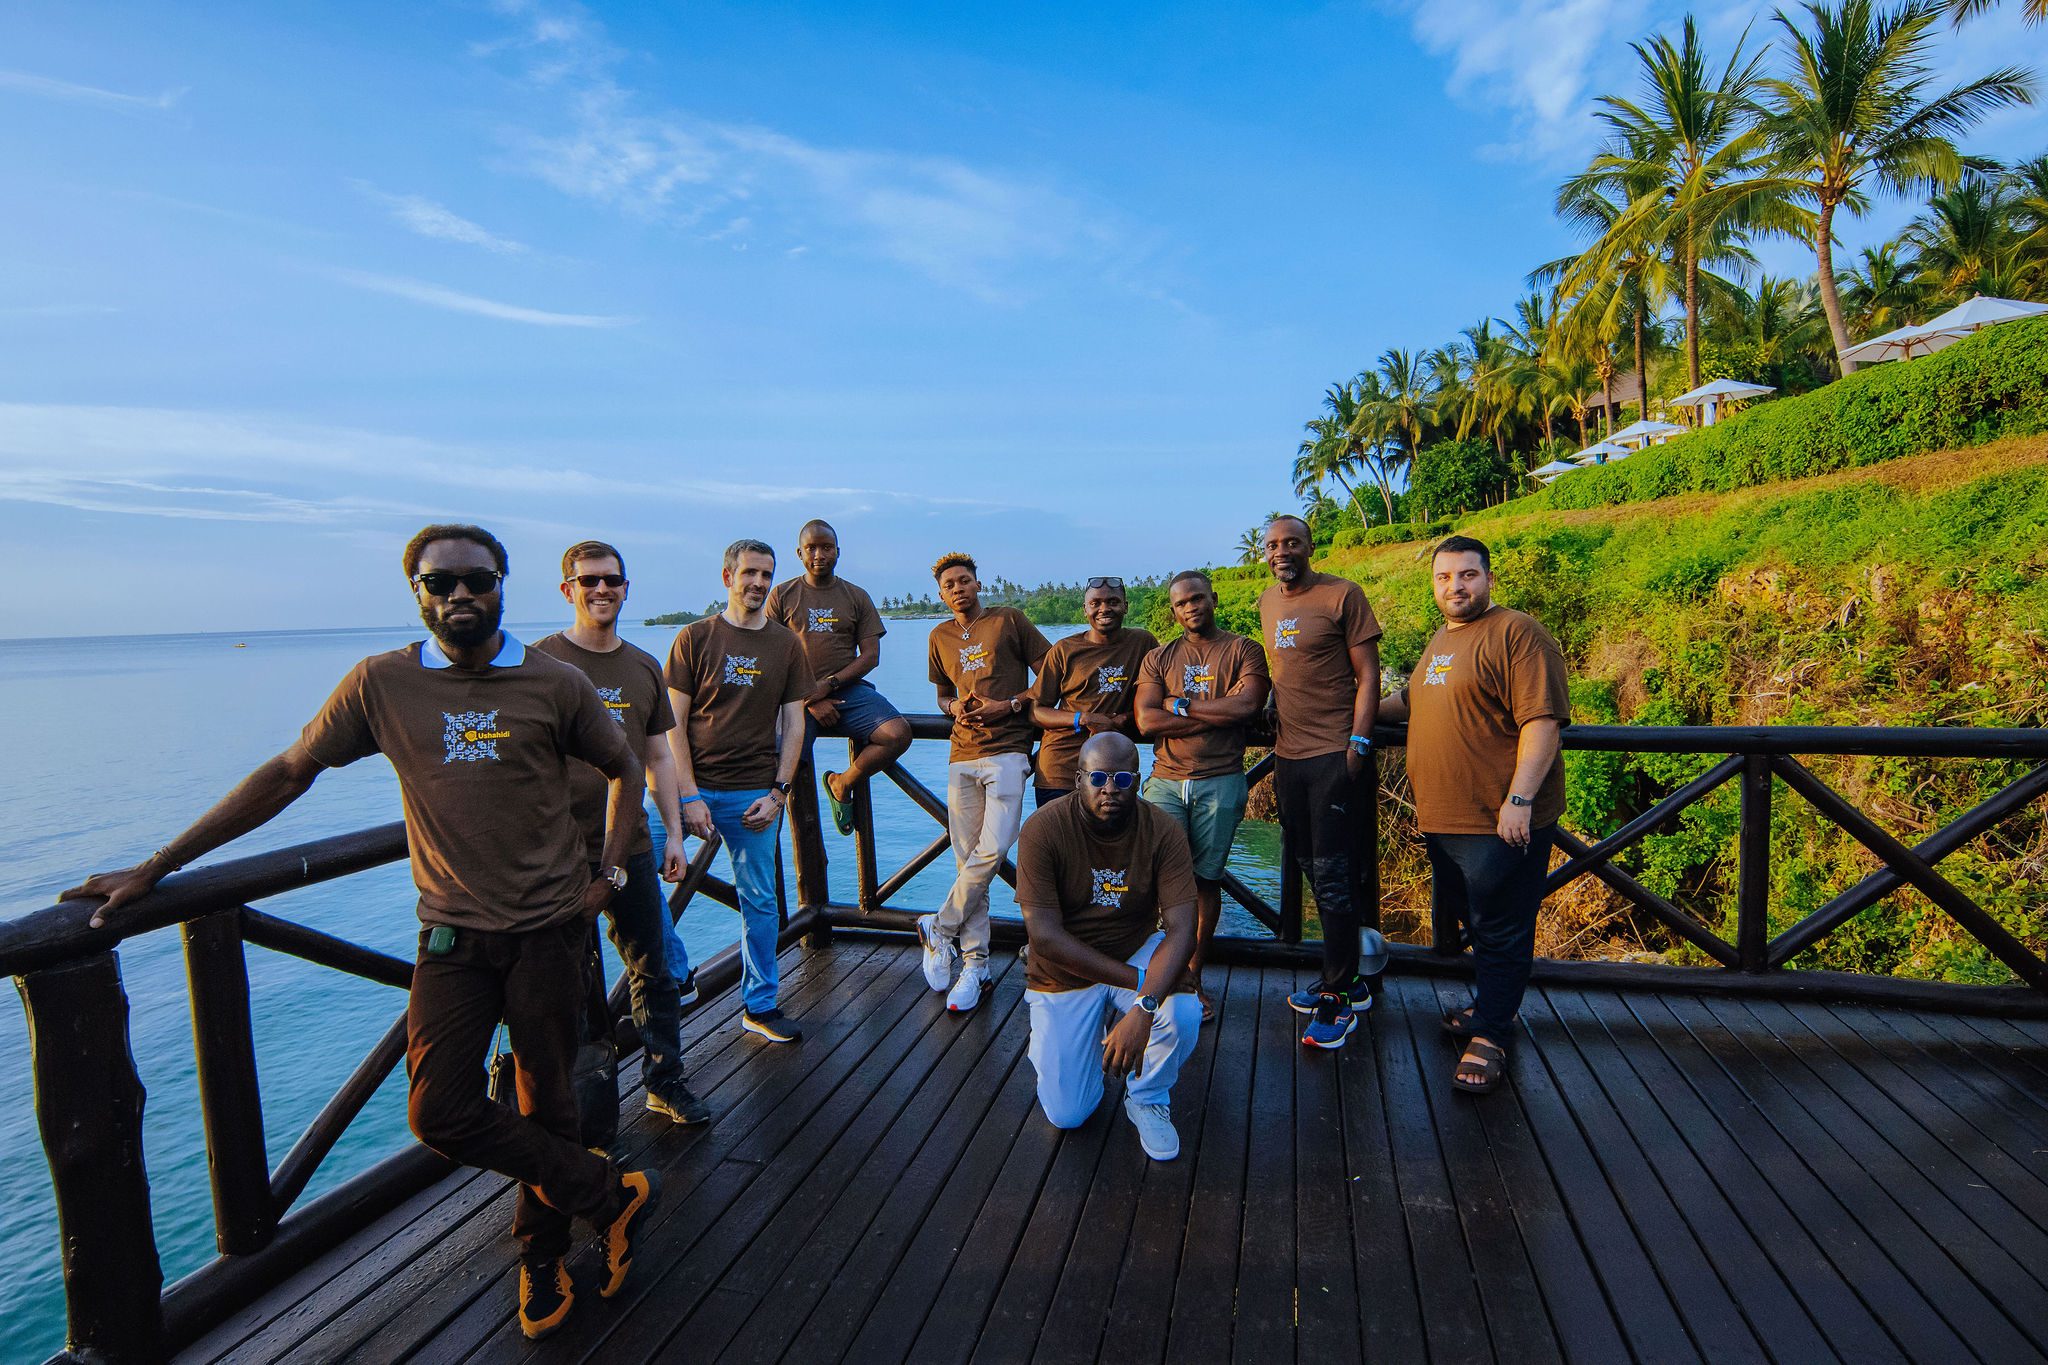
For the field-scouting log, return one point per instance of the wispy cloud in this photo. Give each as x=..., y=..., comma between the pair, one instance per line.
x=438, y=296
x=429, y=219
x=964, y=226
x=50, y=88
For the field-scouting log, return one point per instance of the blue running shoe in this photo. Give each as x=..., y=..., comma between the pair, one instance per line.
x=1335, y=1018
x=1304, y=1001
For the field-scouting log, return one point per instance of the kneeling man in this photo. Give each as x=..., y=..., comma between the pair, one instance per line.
x=1108, y=893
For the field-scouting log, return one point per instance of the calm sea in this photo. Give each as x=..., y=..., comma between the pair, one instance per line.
x=114, y=744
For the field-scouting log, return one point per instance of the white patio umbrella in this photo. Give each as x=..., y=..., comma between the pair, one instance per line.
x=1905, y=343
x=1639, y=433
x=1709, y=397
x=1600, y=452
x=1901, y=343
x=1550, y=471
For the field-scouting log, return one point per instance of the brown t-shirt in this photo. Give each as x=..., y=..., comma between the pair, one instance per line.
x=628, y=682
x=991, y=659
x=1308, y=640
x=736, y=680
x=1108, y=891
x=1078, y=675
x=1193, y=668
x=830, y=623
x=483, y=759
x=1474, y=690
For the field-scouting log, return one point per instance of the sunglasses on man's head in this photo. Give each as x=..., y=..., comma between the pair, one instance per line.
x=592, y=580
x=1123, y=781
x=1116, y=583
x=440, y=583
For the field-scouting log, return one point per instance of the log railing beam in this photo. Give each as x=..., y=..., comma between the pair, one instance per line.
x=230, y=1102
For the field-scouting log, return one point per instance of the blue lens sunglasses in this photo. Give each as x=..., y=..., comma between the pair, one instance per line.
x=1123, y=781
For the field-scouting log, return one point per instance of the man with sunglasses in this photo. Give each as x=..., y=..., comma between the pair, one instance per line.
x=482, y=732
x=1108, y=895
x=628, y=682
x=739, y=682
x=841, y=632
x=1195, y=694
x=1085, y=685
x=980, y=662
x=1322, y=647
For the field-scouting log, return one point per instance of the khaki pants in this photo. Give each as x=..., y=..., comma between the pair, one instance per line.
x=984, y=806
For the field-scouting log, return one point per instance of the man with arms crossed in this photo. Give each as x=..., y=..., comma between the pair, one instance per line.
x=738, y=680
x=1085, y=685
x=1322, y=644
x=628, y=682
x=841, y=634
x=1485, y=709
x=980, y=662
x=1108, y=896
x=1194, y=696
x=482, y=732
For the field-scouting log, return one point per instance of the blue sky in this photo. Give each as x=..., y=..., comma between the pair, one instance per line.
x=1057, y=286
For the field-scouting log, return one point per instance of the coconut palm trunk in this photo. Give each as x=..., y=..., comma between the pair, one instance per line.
x=1824, y=257
x=1692, y=316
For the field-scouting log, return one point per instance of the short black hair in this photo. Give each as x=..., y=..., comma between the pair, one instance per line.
x=1175, y=581
x=1302, y=522
x=815, y=524
x=1464, y=545
x=448, y=530
x=590, y=549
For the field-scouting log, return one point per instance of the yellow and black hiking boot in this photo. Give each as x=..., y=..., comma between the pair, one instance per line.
x=545, y=1295
x=621, y=1238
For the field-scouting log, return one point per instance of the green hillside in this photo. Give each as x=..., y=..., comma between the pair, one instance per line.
x=1910, y=593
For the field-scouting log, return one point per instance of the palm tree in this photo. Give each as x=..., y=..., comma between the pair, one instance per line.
x=1249, y=550
x=1884, y=293
x=1853, y=116
x=1687, y=159
x=1958, y=10
x=1967, y=235
x=1405, y=399
x=1602, y=293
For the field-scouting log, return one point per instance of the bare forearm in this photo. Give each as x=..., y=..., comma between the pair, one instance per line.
x=1365, y=702
x=1535, y=750
x=1063, y=950
x=791, y=750
x=1226, y=711
x=1393, y=709
x=255, y=801
x=626, y=793
x=1170, y=959
x=661, y=769
x=863, y=663
x=1159, y=723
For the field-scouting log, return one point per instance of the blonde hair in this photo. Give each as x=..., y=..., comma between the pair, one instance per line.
x=947, y=561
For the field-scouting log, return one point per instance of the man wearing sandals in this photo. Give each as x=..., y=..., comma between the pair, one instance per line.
x=1484, y=709
x=841, y=634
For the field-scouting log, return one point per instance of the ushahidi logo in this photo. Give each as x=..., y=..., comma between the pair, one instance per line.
x=973, y=658
x=615, y=702
x=472, y=736
x=1285, y=632
x=1197, y=680
x=824, y=620
x=742, y=670
x=1439, y=674
x=1110, y=885
x=1110, y=678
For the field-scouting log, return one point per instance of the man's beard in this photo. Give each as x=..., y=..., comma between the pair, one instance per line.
x=1107, y=826
x=1288, y=573
x=462, y=637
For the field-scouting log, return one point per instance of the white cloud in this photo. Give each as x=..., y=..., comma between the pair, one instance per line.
x=49, y=88
x=429, y=219
x=436, y=296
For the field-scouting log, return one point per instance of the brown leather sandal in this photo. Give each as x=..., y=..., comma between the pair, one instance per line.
x=1484, y=1074
x=1458, y=1023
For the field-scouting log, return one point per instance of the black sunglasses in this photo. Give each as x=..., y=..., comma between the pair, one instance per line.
x=1123, y=781
x=591, y=580
x=440, y=583
x=1116, y=583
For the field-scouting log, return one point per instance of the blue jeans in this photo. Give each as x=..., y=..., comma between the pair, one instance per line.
x=753, y=875
x=674, y=953
x=1496, y=889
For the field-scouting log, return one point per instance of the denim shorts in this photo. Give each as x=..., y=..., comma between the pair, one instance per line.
x=1209, y=809
x=862, y=711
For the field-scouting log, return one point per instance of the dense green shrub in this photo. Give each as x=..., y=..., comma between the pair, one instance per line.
x=1990, y=385
x=1399, y=533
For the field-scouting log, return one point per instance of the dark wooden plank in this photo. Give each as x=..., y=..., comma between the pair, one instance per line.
x=1444, y=1278
x=1761, y=1292
x=708, y=1170
x=1141, y=1309
x=1742, y=1048
x=1326, y=1273
x=1205, y=1288
x=456, y=1274
x=1847, y=1325
x=1996, y=1072
x=1390, y=1315
x=1517, y=1322
x=1704, y=1302
x=873, y=1217
x=1580, y=1313
x=1265, y=1258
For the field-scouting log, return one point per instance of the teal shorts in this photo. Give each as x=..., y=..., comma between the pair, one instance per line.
x=1209, y=809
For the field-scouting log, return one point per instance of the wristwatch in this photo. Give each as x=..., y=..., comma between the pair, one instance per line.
x=1361, y=744
x=1149, y=1004
x=1179, y=706
x=616, y=876
x=1514, y=800
x=785, y=788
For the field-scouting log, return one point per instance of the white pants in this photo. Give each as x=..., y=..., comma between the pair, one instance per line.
x=1067, y=1030
x=984, y=807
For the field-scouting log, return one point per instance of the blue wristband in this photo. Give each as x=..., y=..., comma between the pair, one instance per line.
x=1077, y=720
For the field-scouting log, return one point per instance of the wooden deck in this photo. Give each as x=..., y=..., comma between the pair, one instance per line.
x=1668, y=1179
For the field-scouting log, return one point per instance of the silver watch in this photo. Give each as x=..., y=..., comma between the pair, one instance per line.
x=616, y=875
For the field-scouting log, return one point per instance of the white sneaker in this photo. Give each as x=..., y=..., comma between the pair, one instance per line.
x=966, y=992
x=1156, y=1133
x=939, y=953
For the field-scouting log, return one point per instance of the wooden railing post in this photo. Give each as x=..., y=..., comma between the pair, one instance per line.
x=1753, y=867
x=1291, y=877
x=89, y=1110
x=224, y=1048
x=866, y=873
x=807, y=838
x=1365, y=858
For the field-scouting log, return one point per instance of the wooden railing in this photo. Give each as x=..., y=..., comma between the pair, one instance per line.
x=89, y=1100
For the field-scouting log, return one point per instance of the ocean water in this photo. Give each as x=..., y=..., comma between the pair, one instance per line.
x=109, y=746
